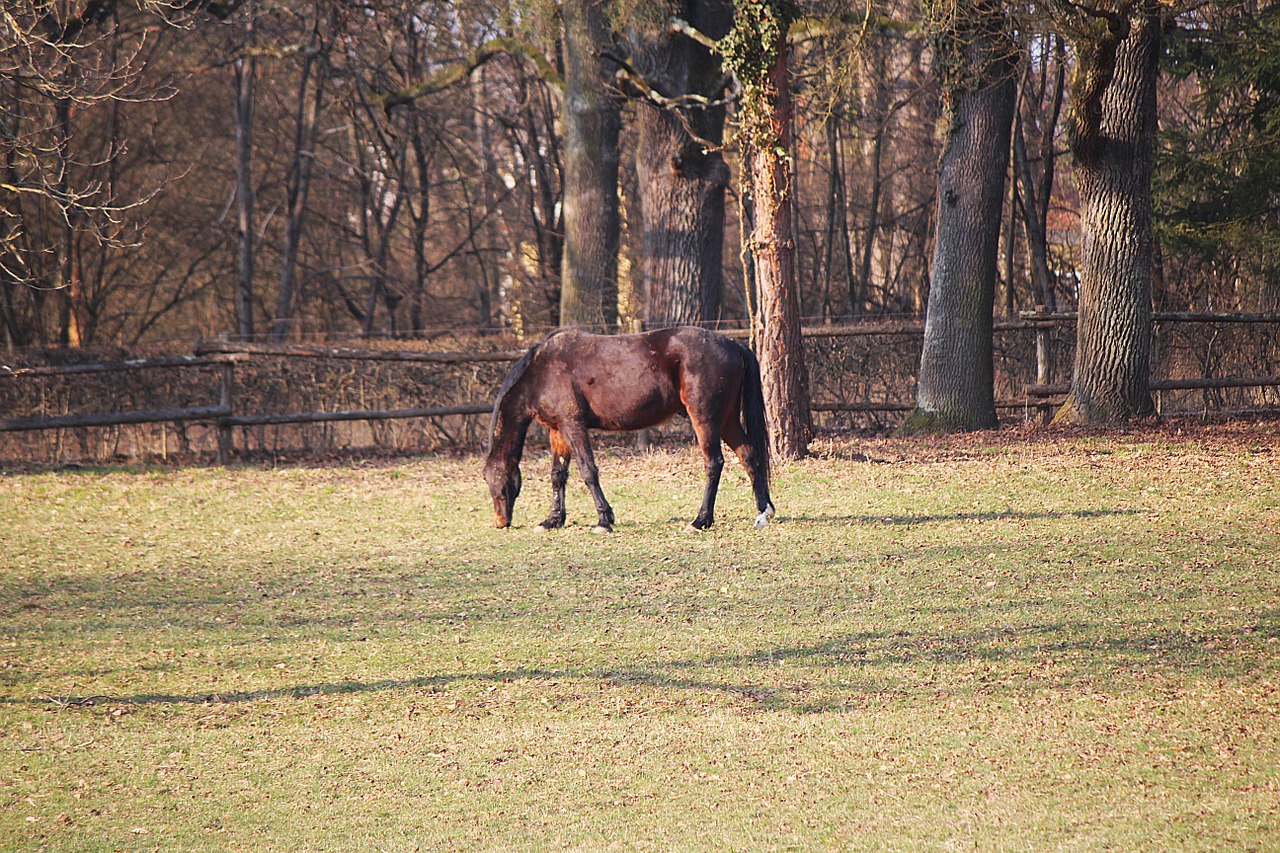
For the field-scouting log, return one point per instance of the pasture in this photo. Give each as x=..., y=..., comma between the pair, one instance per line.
x=1017, y=641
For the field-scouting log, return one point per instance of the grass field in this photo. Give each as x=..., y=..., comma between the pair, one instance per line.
x=1016, y=641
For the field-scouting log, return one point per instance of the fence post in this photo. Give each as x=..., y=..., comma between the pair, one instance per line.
x=643, y=438
x=1154, y=364
x=225, y=436
x=1042, y=362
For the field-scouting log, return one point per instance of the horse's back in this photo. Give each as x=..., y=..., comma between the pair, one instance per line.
x=611, y=382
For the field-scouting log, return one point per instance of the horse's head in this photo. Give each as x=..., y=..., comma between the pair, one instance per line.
x=507, y=429
x=503, y=478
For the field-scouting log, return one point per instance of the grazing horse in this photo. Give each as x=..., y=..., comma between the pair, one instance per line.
x=573, y=382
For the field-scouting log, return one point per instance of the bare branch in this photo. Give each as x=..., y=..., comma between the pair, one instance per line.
x=460, y=71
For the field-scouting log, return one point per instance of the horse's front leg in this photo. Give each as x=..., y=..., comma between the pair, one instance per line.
x=559, y=477
x=579, y=444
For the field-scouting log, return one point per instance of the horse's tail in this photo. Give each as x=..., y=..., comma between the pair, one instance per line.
x=753, y=419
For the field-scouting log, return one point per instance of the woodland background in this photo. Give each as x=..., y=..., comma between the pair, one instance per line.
x=157, y=155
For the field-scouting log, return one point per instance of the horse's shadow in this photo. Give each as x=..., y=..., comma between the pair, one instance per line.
x=908, y=520
x=987, y=515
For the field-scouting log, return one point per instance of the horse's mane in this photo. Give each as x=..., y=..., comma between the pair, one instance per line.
x=509, y=381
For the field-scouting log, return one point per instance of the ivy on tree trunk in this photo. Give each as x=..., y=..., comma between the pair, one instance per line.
x=756, y=51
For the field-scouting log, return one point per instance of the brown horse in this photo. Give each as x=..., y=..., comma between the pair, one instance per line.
x=573, y=382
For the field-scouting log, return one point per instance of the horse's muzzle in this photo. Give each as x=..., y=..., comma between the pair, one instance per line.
x=500, y=522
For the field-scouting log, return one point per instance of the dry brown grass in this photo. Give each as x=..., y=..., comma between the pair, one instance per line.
x=1003, y=642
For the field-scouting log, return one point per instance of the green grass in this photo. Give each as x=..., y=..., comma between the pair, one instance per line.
x=1005, y=642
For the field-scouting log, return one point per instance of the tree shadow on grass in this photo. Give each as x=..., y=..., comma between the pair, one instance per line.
x=877, y=665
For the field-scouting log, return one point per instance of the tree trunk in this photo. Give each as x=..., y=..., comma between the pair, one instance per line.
x=592, y=123
x=837, y=231
x=683, y=176
x=245, y=76
x=304, y=156
x=1036, y=195
x=781, y=349
x=860, y=286
x=67, y=281
x=956, y=385
x=1032, y=223
x=1111, y=135
x=682, y=202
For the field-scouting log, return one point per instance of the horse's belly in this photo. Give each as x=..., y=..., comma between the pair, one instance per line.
x=619, y=407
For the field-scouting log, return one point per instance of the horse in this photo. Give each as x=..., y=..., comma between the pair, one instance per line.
x=572, y=382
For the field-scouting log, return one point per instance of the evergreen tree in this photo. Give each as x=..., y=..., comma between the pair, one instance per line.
x=1217, y=184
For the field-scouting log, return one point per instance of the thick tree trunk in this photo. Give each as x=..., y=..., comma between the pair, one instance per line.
x=682, y=202
x=780, y=347
x=1111, y=136
x=592, y=123
x=956, y=385
x=683, y=175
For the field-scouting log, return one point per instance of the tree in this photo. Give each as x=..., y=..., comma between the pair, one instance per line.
x=978, y=59
x=756, y=51
x=592, y=122
x=245, y=77
x=1111, y=133
x=1033, y=193
x=681, y=170
x=1217, y=181
x=62, y=66
x=311, y=96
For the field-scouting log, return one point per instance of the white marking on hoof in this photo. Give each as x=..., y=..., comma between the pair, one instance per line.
x=692, y=528
x=600, y=528
x=762, y=520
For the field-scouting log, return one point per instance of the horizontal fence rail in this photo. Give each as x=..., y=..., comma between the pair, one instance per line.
x=1048, y=329
x=367, y=415
x=212, y=348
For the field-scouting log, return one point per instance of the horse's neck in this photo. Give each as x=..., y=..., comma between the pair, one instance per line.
x=509, y=432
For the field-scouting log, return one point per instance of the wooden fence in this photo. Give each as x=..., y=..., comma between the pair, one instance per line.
x=1036, y=396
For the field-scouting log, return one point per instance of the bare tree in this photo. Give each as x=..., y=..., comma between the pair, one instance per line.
x=1041, y=105
x=62, y=65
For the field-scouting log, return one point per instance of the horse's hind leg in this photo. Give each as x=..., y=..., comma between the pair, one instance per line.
x=737, y=440
x=713, y=461
x=559, y=477
x=579, y=445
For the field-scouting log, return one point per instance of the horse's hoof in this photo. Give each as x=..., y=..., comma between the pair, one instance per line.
x=693, y=528
x=600, y=528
